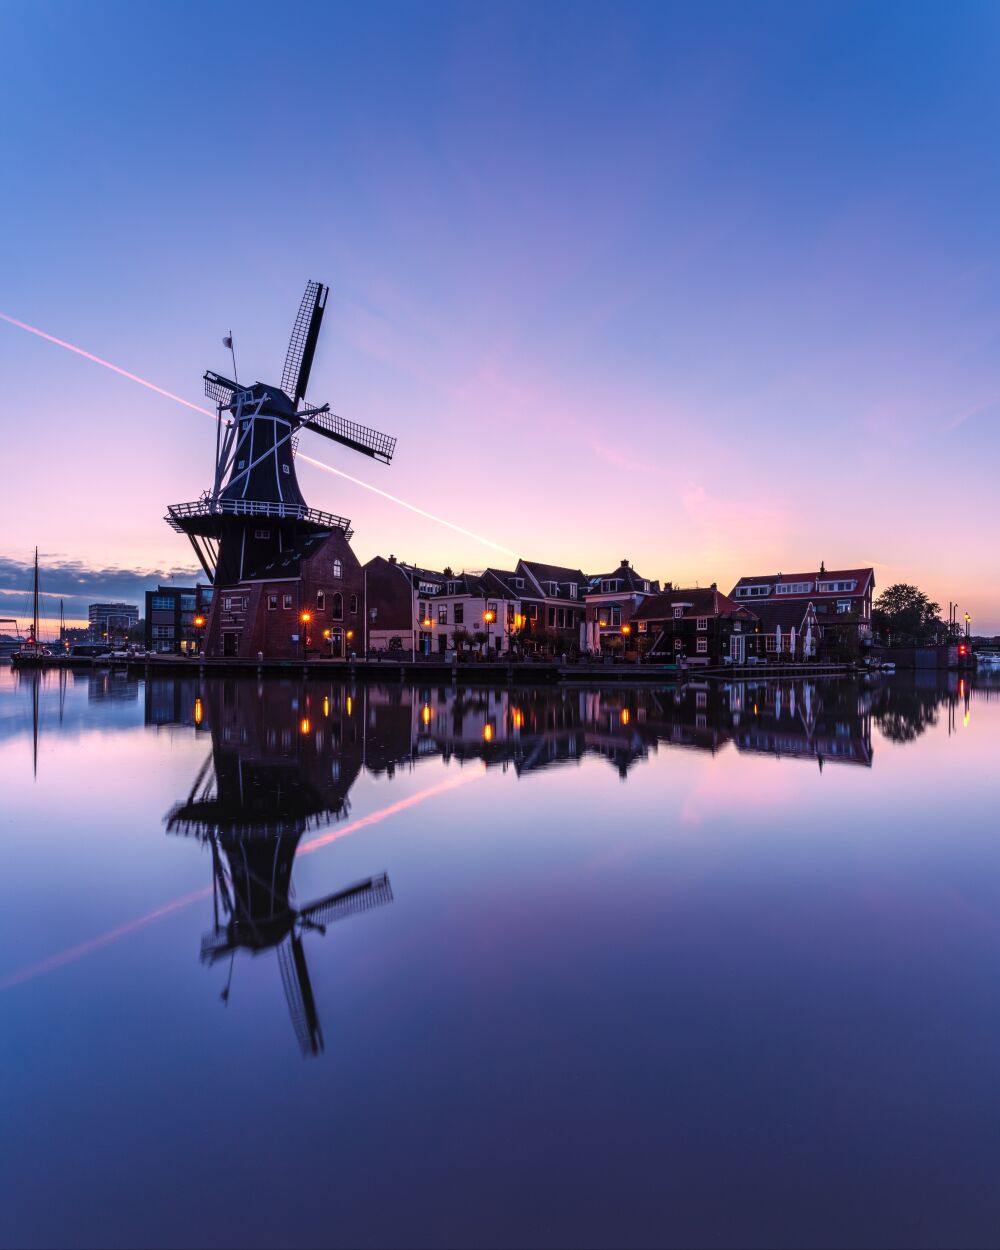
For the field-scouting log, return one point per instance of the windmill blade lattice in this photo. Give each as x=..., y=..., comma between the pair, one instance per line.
x=302, y=345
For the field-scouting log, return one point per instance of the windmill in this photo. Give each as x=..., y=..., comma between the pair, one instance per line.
x=254, y=511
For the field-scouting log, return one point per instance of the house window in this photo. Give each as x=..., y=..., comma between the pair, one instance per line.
x=492, y=607
x=338, y=569
x=452, y=589
x=642, y=626
x=519, y=583
x=338, y=607
x=572, y=590
x=843, y=605
x=770, y=643
x=320, y=601
x=678, y=644
x=459, y=613
x=552, y=618
x=354, y=605
x=702, y=622
x=737, y=627
x=442, y=614
x=702, y=646
x=272, y=603
x=678, y=613
x=227, y=604
x=753, y=592
x=262, y=533
x=532, y=612
x=835, y=588
x=793, y=588
x=552, y=588
x=286, y=601
x=421, y=611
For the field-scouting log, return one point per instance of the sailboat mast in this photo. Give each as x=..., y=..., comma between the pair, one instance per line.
x=36, y=596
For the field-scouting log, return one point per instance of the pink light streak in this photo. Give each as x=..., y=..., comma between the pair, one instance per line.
x=73, y=953
x=319, y=464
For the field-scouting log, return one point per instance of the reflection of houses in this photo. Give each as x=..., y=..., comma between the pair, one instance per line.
x=700, y=626
x=828, y=723
x=842, y=599
x=283, y=761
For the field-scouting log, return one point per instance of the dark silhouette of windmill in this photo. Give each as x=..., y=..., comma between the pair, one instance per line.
x=254, y=510
x=263, y=786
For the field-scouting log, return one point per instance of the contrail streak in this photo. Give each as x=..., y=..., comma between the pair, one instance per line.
x=72, y=953
x=319, y=464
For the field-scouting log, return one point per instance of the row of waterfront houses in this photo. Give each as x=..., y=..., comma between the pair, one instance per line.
x=321, y=601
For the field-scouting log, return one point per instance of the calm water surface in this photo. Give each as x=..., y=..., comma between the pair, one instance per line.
x=322, y=964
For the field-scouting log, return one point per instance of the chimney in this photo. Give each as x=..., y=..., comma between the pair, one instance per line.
x=624, y=563
x=715, y=586
x=392, y=559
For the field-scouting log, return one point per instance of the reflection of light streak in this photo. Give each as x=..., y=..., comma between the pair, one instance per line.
x=319, y=464
x=72, y=953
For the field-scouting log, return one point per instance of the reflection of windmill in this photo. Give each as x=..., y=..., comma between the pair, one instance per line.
x=253, y=893
x=256, y=440
x=261, y=788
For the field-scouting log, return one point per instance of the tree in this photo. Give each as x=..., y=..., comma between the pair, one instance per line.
x=906, y=614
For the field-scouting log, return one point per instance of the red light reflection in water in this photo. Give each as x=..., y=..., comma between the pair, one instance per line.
x=72, y=953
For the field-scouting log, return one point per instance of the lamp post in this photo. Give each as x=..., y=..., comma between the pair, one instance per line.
x=428, y=625
x=968, y=625
x=305, y=618
x=488, y=618
x=626, y=630
x=199, y=625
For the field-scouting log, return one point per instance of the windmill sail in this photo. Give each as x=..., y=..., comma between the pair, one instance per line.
x=220, y=389
x=359, y=437
x=302, y=347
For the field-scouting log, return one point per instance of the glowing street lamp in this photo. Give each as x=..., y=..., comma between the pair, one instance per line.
x=488, y=617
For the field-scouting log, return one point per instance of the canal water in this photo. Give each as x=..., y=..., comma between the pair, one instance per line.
x=327, y=964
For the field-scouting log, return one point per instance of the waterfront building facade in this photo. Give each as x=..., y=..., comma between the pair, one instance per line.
x=697, y=626
x=112, y=622
x=841, y=598
x=611, y=602
x=172, y=613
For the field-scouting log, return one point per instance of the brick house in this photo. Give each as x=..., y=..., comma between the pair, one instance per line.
x=552, y=598
x=612, y=601
x=305, y=603
x=698, y=626
x=842, y=600
x=790, y=629
x=431, y=612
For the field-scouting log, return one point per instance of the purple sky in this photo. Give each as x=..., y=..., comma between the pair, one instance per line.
x=711, y=287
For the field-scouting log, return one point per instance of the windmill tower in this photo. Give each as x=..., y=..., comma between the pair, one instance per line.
x=253, y=528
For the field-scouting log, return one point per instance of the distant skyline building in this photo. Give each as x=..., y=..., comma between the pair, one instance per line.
x=112, y=620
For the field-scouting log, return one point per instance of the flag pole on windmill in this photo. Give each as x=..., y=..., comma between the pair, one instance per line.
x=228, y=342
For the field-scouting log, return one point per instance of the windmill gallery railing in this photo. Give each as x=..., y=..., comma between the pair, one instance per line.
x=179, y=512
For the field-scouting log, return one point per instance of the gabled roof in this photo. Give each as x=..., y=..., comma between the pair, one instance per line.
x=861, y=577
x=553, y=573
x=633, y=581
x=694, y=601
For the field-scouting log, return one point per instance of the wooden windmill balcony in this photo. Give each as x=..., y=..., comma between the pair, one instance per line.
x=205, y=509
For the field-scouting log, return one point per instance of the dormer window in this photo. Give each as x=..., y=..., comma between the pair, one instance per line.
x=836, y=588
x=452, y=588
x=552, y=588
x=793, y=588
x=572, y=590
x=518, y=583
x=678, y=613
